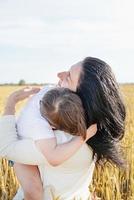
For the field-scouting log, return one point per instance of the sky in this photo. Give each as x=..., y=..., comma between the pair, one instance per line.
x=40, y=38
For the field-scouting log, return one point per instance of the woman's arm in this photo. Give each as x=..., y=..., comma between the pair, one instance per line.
x=22, y=151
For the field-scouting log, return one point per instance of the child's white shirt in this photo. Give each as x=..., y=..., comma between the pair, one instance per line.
x=30, y=123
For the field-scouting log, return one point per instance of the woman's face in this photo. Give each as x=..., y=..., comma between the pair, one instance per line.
x=69, y=79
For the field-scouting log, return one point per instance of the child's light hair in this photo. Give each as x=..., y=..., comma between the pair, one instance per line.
x=63, y=109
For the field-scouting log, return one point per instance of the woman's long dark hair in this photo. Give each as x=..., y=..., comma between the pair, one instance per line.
x=103, y=105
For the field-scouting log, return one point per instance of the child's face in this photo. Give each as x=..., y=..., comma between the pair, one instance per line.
x=69, y=79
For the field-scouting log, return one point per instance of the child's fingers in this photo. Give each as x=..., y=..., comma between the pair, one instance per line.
x=93, y=127
x=91, y=131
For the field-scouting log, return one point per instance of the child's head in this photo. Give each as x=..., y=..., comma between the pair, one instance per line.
x=63, y=109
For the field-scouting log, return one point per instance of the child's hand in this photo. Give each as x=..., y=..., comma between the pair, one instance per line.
x=91, y=131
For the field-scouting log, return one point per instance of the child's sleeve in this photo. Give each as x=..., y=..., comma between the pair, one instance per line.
x=30, y=123
x=41, y=129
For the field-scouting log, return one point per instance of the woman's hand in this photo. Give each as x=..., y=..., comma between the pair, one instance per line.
x=91, y=131
x=17, y=96
x=22, y=94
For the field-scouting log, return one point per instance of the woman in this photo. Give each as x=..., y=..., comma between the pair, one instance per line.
x=93, y=80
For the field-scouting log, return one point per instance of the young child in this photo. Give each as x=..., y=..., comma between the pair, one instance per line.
x=48, y=110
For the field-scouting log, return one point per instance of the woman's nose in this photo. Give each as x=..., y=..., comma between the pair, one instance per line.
x=61, y=75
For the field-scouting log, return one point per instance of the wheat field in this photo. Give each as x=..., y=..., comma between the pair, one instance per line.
x=109, y=182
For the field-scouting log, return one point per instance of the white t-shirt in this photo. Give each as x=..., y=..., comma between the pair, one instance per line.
x=30, y=123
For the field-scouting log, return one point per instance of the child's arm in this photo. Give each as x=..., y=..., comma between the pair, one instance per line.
x=58, y=153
